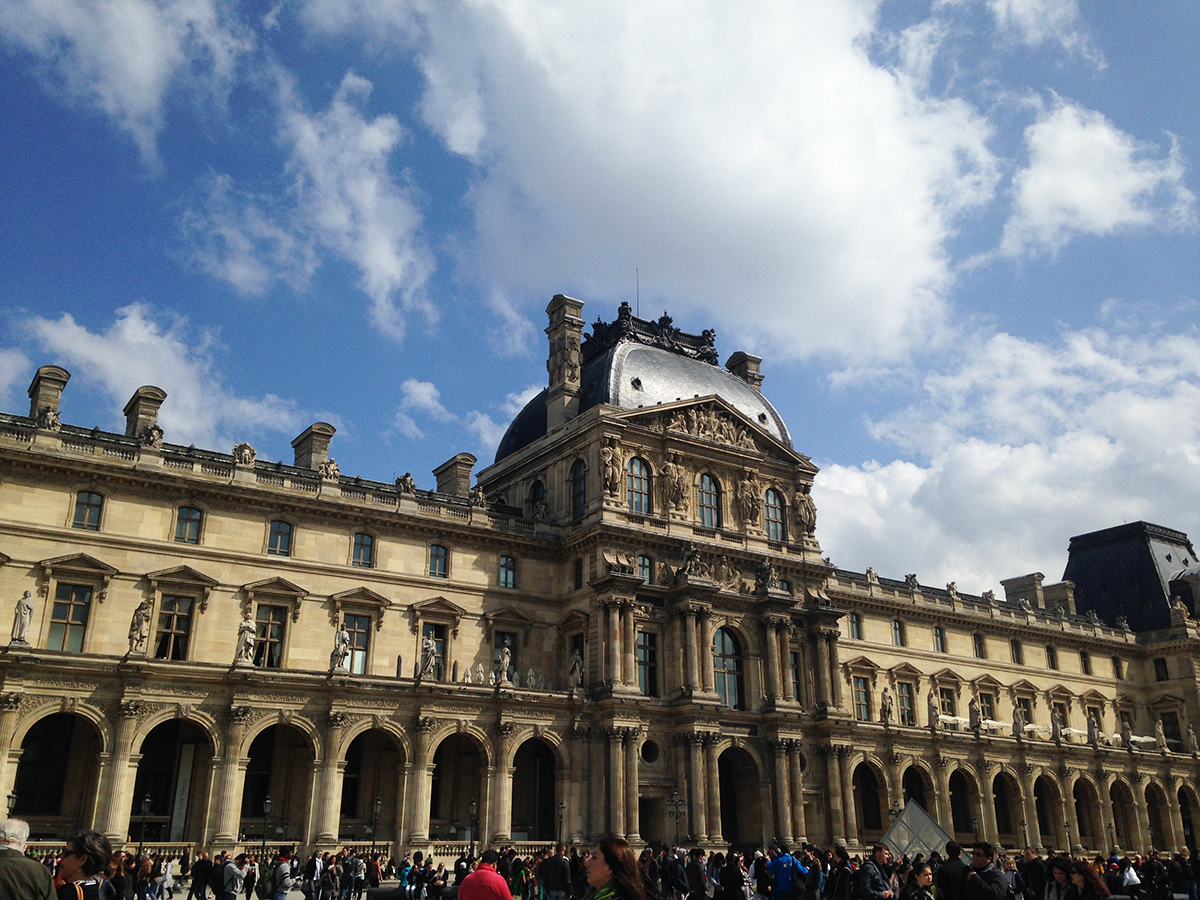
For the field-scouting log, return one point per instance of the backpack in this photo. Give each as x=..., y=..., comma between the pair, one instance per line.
x=264, y=888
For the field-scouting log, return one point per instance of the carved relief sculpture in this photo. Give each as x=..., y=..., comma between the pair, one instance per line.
x=329, y=470
x=244, y=654
x=139, y=628
x=48, y=419
x=151, y=436
x=22, y=616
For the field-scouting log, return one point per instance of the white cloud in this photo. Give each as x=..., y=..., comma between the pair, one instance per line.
x=424, y=399
x=1087, y=177
x=14, y=368
x=123, y=56
x=137, y=349
x=759, y=166
x=1026, y=445
x=1035, y=22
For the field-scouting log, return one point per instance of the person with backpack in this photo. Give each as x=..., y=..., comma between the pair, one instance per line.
x=873, y=881
x=787, y=874
x=233, y=876
x=275, y=878
x=841, y=880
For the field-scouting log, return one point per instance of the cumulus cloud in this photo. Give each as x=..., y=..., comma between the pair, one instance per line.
x=777, y=179
x=1024, y=445
x=1035, y=22
x=14, y=368
x=422, y=398
x=123, y=56
x=1087, y=177
x=141, y=348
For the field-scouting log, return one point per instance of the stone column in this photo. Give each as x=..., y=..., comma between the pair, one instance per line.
x=714, y=787
x=944, y=814
x=502, y=817
x=329, y=783
x=687, y=620
x=10, y=706
x=117, y=788
x=231, y=776
x=628, y=646
x=421, y=782
x=824, y=695
x=837, y=816
x=632, y=826
x=616, y=783
x=1108, y=823
x=773, y=691
x=698, y=826
x=799, y=826
x=783, y=791
x=1174, y=816
x=1031, y=819
x=987, y=803
x=576, y=801
x=1072, y=815
x=785, y=664
x=1144, y=839
x=836, y=682
x=596, y=779
x=705, y=656
x=849, y=811
x=612, y=634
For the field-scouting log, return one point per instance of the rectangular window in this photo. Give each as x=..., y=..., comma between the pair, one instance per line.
x=862, y=699
x=987, y=706
x=905, y=691
x=268, y=642
x=364, y=551
x=69, y=617
x=439, y=561
x=577, y=570
x=87, y=510
x=948, y=705
x=1085, y=662
x=1171, y=730
x=647, y=663
x=501, y=638
x=795, y=659
x=1160, y=670
x=174, y=627
x=187, y=525
x=855, y=626
x=1118, y=669
x=360, y=638
x=1051, y=657
x=939, y=639
x=898, y=633
x=279, y=540
x=508, y=571
x=645, y=569
x=980, y=646
x=1018, y=652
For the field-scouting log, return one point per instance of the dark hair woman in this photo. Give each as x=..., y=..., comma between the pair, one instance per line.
x=84, y=859
x=613, y=872
x=1086, y=882
x=731, y=878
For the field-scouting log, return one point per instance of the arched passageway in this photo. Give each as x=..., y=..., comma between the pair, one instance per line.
x=534, y=815
x=868, y=804
x=1187, y=813
x=1087, y=814
x=1048, y=802
x=964, y=805
x=171, y=789
x=913, y=785
x=374, y=768
x=57, y=776
x=1006, y=799
x=280, y=768
x=1123, y=815
x=742, y=807
x=1156, y=805
x=457, y=780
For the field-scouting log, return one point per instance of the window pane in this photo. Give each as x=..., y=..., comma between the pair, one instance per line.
x=438, y=561
x=645, y=569
x=69, y=617
x=637, y=486
x=904, y=697
x=364, y=550
x=727, y=668
x=268, y=644
x=359, y=628
x=508, y=572
x=710, y=502
x=187, y=525
x=939, y=639
x=578, y=490
x=647, y=663
x=862, y=699
x=87, y=510
x=174, y=627
x=280, y=541
x=773, y=511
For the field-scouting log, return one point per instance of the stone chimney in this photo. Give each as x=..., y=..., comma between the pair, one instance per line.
x=566, y=359
x=1061, y=594
x=745, y=366
x=312, y=446
x=1025, y=587
x=454, y=475
x=45, y=392
x=141, y=411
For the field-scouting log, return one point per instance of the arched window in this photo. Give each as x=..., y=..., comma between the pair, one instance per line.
x=279, y=541
x=646, y=569
x=773, y=513
x=537, y=493
x=727, y=669
x=439, y=561
x=578, y=490
x=508, y=571
x=88, y=505
x=187, y=525
x=364, y=550
x=637, y=486
x=710, y=502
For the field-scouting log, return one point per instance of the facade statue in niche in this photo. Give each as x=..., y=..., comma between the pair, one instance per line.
x=952, y=590
x=910, y=582
x=1093, y=731
x=329, y=470
x=610, y=467
x=1126, y=736
x=478, y=497
x=247, y=631
x=974, y=715
x=428, y=657
x=244, y=454
x=1055, y=726
x=805, y=509
x=575, y=671
x=872, y=578
x=885, y=707
x=747, y=499
x=405, y=484
x=675, y=483
x=1018, y=721
x=505, y=663
x=48, y=419
x=766, y=577
x=1193, y=745
x=341, y=650
x=139, y=628
x=22, y=616
x=934, y=711
x=541, y=511
x=151, y=436
x=1160, y=736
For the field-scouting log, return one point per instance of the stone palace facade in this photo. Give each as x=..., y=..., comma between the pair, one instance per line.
x=625, y=625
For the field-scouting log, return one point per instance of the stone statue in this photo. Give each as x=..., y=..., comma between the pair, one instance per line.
x=479, y=673
x=139, y=628
x=1179, y=611
x=610, y=466
x=1126, y=736
x=1018, y=721
x=910, y=582
x=405, y=484
x=952, y=590
x=505, y=663
x=675, y=483
x=1123, y=623
x=806, y=510
x=341, y=650
x=872, y=578
x=329, y=470
x=467, y=676
x=541, y=511
x=428, y=657
x=748, y=500
x=244, y=454
x=885, y=707
x=151, y=436
x=48, y=419
x=1055, y=726
x=974, y=715
x=22, y=616
x=530, y=678
x=1160, y=737
x=1093, y=731
x=989, y=597
x=575, y=671
x=1193, y=745
x=541, y=684
x=766, y=577
x=479, y=497
x=247, y=631
x=934, y=711
x=692, y=564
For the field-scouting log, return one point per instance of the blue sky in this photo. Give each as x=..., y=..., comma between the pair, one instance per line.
x=963, y=235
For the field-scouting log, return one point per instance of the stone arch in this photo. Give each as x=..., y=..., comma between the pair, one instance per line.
x=1086, y=798
x=280, y=759
x=456, y=779
x=917, y=786
x=535, y=767
x=1009, y=810
x=1189, y=814
x=734, y=743
x=481, y=738
x=1048, y=803
x=372, y=763
x=1124, y=821
x=743, y=810
x=172, y=784
x=965, y=812
x=391, y=729
x=300, y=723
x=869, y=785
x=86, y=711
x=1156, y=807
x=201, y=719
x=547, y=737
x=58, y=772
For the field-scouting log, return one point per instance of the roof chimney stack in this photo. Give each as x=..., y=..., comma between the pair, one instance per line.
x=565, y=332
x=45, y=392
x=745, y=366
x=141, y=412
x=454, y=475
x=312, y=446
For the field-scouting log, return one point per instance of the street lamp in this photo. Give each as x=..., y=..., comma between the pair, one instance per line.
x=474, y=825
x=145, y=812
x=266, y=818
x=1025, y=832
x=375, y=822
x=675, y=806
x=894, y=810
x=1112, y=840
x=562, y=809
x=975, y=827
x=12, y=801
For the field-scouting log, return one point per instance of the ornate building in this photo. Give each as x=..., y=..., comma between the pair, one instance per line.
x=627, y=625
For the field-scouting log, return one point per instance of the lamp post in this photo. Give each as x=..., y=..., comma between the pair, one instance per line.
x=474, y=826
x=1112, y=840
x=894, y=810
x=1025, y=832
x=675, y=806
x=562, y=809
x=975, y=827
x=266, y=819
x=12, y=801
x=378, y=805
x=145, y=812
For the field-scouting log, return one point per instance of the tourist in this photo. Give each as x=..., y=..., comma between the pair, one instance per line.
x=1086, y=883
x=84, y=859
x=922, y=882
x=953, y=873
x=873, y=882
x=613, y=872
x=485, y=883
x=984, y=881
x=21, y=878
x=731, y=879
x=1059, y=881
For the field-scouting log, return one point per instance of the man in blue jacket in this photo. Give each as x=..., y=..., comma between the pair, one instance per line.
x=785, y=870
x=873, y=881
